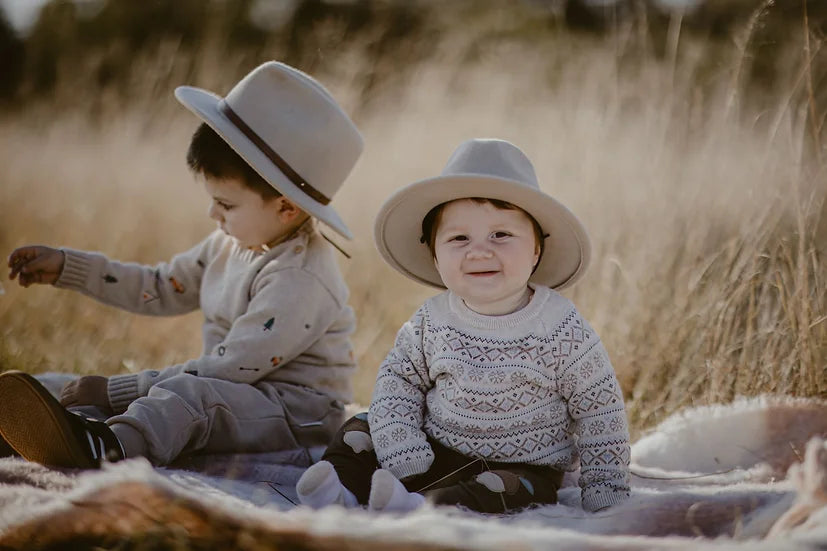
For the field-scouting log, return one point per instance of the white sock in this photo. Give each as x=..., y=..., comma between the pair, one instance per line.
x=319, y=487
x=388, y=494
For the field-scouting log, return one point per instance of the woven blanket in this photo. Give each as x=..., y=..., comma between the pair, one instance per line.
x=747, y=475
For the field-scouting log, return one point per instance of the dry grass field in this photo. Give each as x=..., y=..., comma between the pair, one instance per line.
x=706, y=218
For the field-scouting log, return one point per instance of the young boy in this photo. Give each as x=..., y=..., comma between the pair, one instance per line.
x=497, y=386
x=277, y=359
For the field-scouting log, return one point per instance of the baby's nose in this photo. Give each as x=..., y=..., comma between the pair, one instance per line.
x=478, y=251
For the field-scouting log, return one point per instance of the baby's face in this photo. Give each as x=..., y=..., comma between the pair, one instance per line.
x=241, y=212
x=485, y=255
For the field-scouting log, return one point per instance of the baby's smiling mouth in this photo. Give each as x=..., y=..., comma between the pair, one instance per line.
x=483, y=273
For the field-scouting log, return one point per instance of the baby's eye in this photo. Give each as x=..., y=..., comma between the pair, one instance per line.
x=500, y=234
x=459, y=238
x=224, y=205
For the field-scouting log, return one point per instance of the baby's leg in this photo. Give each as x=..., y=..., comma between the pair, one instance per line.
x=352, y=456
x=502, y=489
x=319, y=487
x=387, y=493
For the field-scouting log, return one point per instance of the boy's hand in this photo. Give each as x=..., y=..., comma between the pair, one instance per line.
x=89, y=390
x=36, y=264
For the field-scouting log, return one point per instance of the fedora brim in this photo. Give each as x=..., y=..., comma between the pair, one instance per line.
x=398, y=227
x=204, y=105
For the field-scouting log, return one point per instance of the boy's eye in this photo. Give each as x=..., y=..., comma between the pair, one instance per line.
x=500, y=234
x=459, y=238
x=223, y=205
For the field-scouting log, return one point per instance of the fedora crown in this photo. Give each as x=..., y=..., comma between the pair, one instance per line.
x=298, y=119
x=489, y=157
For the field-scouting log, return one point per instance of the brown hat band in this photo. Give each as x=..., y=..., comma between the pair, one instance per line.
x=282, y=165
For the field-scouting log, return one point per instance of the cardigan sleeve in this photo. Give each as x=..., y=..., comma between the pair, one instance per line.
x=398, y=404
x=289, y=311
x=168, y=288
x=595, y=403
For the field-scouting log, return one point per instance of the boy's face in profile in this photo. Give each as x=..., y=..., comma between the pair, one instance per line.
x=485, y=254
x=244, y=215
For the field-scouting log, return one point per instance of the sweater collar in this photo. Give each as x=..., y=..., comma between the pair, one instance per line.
x=480, y=321
x=301, y=236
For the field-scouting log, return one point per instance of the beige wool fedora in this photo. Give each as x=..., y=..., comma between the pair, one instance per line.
x=290, y=130
x=494, y=169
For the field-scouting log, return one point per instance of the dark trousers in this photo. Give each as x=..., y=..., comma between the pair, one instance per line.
x=453, y=479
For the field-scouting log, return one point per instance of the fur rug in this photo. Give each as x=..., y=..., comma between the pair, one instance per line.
x=748, y=475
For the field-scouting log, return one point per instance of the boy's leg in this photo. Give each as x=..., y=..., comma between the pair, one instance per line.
x=5, y=449
x=352, y=455
x=501, y=489
x=34, y=423
x=187, y=413
x=90, y=412
x=313, y=417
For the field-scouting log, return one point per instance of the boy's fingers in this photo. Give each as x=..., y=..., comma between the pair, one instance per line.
x=21, y=254
x=15, y=269
x=35, y=264
x=19, y=258
x=14, y=263
x=39, y=263
x=28, y=278
x=12, y=260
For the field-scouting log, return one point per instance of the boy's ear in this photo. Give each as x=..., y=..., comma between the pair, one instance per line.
x=287, y=210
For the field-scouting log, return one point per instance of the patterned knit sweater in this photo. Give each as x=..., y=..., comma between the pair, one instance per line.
x=535, y=386
x=281, y=315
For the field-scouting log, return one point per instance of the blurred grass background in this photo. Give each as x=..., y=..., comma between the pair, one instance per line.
x=690, y=142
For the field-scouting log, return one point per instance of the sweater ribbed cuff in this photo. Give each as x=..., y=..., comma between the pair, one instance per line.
x=593, y=501
x=123, y=390
x=412, y=468
x=75, y=270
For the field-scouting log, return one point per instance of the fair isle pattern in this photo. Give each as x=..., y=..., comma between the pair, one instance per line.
x=396, y=410
x=532, y=387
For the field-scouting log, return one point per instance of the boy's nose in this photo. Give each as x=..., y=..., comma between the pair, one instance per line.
x=212, y=212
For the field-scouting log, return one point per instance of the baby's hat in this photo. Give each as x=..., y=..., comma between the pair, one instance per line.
x=493, y=169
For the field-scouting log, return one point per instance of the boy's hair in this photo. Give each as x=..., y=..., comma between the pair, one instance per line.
x=431, y=222
x=210, y=155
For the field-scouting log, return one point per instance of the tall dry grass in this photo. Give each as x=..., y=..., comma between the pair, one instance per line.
x=708, y=277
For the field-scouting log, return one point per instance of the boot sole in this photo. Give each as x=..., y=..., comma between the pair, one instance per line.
x=35, y=425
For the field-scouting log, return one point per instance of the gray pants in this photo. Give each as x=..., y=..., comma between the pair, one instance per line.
x=187, y=413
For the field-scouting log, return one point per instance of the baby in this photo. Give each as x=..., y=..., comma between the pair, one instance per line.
x=497, y=386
